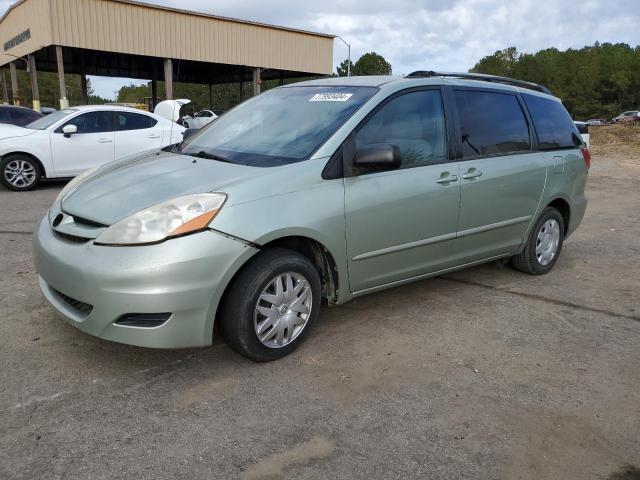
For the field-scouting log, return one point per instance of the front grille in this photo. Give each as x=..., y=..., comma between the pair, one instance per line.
x=82, y=308
x=87, y=222
x=71, y=238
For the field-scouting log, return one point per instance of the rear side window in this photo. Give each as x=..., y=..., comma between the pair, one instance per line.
x=414, y=122
x=491, y=123
x=553, y=124
x=133, y=121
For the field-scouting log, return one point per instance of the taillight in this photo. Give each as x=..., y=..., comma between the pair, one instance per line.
x=587, y=157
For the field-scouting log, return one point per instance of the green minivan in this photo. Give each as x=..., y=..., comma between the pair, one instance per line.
x=314, y=192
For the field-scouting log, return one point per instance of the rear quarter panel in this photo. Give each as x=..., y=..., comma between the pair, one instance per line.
x=568, y=185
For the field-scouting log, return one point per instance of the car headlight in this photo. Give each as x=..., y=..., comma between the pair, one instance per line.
x=74, y=183
x=177, y=217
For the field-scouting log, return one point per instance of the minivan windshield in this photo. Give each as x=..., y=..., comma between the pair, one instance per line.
x=281, y=126
x=48, y=120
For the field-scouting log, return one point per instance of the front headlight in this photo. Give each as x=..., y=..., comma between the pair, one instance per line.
x=173, y=218
x=74, y=183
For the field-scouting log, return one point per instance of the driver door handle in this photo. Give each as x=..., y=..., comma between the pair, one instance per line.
x=104, y=140
x=472, y=173
x=447, y=179
x=154, y=136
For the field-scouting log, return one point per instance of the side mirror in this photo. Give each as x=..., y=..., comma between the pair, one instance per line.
x=381, y=156
x=69, y=130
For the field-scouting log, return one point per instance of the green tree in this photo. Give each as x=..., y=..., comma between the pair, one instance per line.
x=371, y=64
x=49, y=89
x=595, y=81
x=342, y=69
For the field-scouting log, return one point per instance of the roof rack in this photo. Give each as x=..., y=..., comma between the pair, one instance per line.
x=481, y=77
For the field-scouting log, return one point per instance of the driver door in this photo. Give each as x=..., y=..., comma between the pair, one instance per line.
x=90, y=146
x=401, y=224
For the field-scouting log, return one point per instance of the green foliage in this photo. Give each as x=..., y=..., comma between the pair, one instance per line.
x=594, y=82
x=371, y=64
x=368, y=64
x=342, y=68
x=49, y=89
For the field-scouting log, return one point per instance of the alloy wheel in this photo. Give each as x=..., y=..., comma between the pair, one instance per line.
x=20, y=173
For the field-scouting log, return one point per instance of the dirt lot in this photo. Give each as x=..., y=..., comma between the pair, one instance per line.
x=485, y=373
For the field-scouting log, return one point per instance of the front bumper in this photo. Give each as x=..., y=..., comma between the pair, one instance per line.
x=92, y=286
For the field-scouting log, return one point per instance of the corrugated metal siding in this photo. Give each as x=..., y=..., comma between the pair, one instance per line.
x=141, y=30
x=33, y=15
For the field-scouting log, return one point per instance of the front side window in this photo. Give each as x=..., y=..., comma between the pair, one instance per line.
x=133, y=121
x=278, y=127
x=553, y=125
x=92, y=122
x=415, y=123
x=491, y=123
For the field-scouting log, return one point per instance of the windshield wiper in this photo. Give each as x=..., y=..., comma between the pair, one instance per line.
x=208, y=156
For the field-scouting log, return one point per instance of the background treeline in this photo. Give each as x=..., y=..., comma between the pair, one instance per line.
x=49, y=89
x=223, y=96
x=596, y=81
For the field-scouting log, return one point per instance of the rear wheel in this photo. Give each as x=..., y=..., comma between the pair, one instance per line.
x=19, y=172
x=544, y=244
x=271, y=305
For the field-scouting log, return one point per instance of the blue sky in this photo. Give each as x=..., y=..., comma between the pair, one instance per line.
x=430, y=34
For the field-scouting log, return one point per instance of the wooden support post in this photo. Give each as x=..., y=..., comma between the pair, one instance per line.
x=64, y=102
x=168, y=79
x=154, y=85
x=14, y=84
x=83, y=87
x=256, y=81
x=4, y=88
x=35, y=94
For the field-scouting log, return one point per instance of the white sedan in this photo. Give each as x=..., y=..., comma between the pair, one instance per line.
x=70, y=141
x=200, y=119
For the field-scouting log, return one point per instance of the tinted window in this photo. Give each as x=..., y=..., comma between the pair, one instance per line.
x=491, y=123
x=133, y=121
x=583, y=128
x=415, y=123
x=553, y=125
x=92, y=122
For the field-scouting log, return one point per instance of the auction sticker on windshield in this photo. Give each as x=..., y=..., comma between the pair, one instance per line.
x=330, y=97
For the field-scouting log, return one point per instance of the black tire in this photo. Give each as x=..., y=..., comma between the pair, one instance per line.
x=236, y=318
x=527, y=261
x=30, y=164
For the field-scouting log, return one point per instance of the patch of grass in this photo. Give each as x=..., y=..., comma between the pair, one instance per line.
x=620, y=136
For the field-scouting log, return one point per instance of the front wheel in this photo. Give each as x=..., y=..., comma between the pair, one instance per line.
x=19, y=172
x=271, y=305
x=544, y=244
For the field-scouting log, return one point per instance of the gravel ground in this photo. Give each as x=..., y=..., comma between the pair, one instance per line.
x=484, y=373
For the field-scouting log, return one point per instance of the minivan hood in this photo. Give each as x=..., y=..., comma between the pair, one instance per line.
x=123, y=188
x=11, y=131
